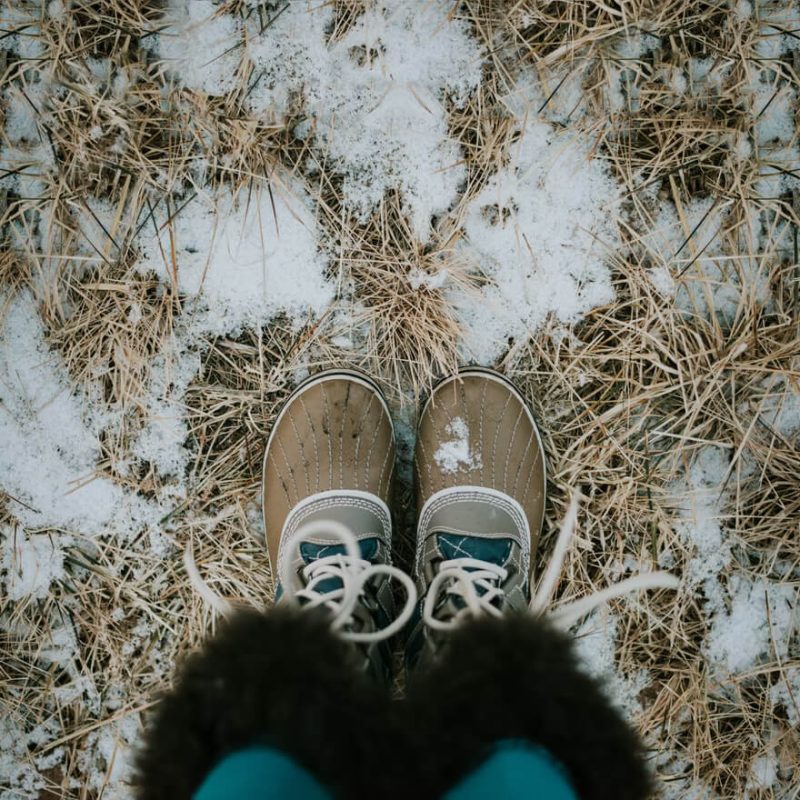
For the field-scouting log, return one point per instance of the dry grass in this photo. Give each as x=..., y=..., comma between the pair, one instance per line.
x=646, y=388
x=565, y=32
x=642, y=392
x=231, y=404
x=410, y=330
x=627, y=399
x=485, y=129
x=346, y=14
x=114, y=323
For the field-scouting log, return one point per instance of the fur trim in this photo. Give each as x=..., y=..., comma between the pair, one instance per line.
x=517, y=678
x=280, y=678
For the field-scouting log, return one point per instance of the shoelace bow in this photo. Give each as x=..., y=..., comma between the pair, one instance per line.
x=351, y=570
x=477, y=584
x=353, y=573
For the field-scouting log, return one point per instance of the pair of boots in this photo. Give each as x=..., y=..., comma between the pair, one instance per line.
x=311, y=678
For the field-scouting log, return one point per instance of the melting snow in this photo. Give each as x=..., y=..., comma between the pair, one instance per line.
x=541, y=230
x=454, y=455
x=31, y=562
x=246, y=258
x=50, y=452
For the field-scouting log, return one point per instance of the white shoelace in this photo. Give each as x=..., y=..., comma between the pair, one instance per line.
x=351, y=570
x=477, y=584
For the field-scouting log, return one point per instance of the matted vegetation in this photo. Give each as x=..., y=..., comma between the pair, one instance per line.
x=695, y=357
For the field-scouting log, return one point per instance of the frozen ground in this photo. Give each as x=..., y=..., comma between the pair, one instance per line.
x=204, y=201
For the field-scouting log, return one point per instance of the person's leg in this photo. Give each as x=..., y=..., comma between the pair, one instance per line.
x=517, y=679
x=482, y=668
x=260, y=772
x=280, y=679
x=510, y=771
x=307, y=679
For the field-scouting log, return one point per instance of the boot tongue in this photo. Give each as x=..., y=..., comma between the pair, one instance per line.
x=312, y=551
x=478, y=523
x=475, y=512
x=462, y=545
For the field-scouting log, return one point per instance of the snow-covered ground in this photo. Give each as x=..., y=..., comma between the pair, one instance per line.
x=543, y=233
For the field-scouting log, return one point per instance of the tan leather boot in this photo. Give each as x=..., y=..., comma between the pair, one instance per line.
x=327, y=478
x=480, y=480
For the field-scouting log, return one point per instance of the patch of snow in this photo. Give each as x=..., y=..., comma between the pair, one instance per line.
x=699, y=525
x=558, y=97
x=162, y=439
x=376, y=98
x=696, y=246
x=419, y=278
x=55, y=9
x=708, y=73
x=49, y=455
x=622, y=91
x=674, y=77
x=662, y=280
x=742, y=148
x=595, y=644
x=785, y=693
x=634, y=43
x=743, y=10
x=31, y=562
x=744, y=635
x=741, y=630
x=678, y=779
x=777, y=27
x=23, y=118
x=200, y=44
x=22, y=730
x=24, y=20
x=678, y=238
x=541, y=230
x=773, y=110
x=454, y=455
x=20, y=774
x=99, y=224
x=780, y=409
x=778, y=173
x=763, y=771
x=109, y=757
x=245, y=259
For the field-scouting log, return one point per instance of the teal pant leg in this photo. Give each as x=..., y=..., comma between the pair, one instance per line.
x=514, y=771
x=260, y=773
